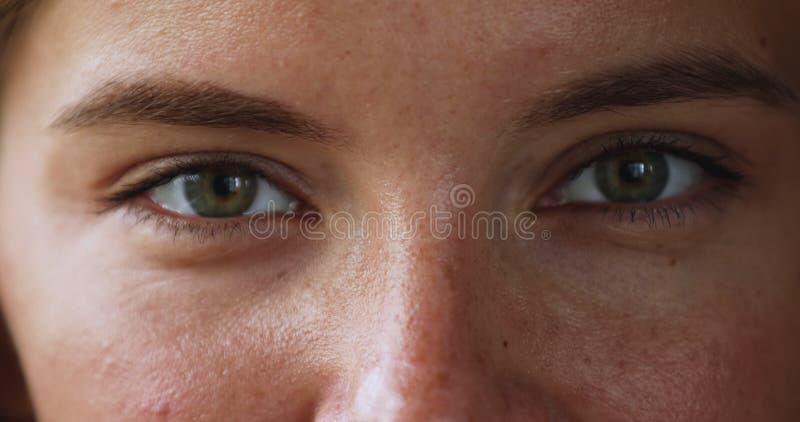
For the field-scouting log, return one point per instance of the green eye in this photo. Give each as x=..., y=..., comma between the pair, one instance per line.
x=221, y=194
x=218, y=195
x=637, y=176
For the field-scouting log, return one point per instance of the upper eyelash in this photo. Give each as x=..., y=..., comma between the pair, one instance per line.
x=200, y=231
x=665, y=143
x=177, y=167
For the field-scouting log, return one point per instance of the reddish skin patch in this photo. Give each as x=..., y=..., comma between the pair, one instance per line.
x=163, y=410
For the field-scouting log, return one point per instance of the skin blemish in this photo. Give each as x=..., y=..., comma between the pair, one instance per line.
x=505, y=344
x=163, y=409
x=762, y=41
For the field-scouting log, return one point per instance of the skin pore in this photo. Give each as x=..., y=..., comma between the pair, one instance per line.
x=682, y=309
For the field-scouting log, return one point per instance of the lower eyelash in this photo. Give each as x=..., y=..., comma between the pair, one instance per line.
x=178, y=227
x=667, y=215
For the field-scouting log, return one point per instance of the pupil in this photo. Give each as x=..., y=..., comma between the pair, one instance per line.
x=225, y=185
x=632, y=171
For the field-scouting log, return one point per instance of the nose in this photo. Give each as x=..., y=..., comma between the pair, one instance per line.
x=430, y=353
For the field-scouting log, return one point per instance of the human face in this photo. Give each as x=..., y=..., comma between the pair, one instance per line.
x=627, y=304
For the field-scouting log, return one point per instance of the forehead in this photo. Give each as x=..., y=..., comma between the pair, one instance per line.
x=234, y=33
x=350, y=56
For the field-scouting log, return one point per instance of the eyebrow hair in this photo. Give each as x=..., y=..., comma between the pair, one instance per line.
x=685, y=76
x=176, y=102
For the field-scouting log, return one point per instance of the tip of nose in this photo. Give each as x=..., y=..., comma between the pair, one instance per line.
x=376, y=396
x=385, y=393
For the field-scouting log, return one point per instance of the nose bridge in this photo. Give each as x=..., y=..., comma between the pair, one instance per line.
x=424, y=348
x=427, y=300
x=423, y=362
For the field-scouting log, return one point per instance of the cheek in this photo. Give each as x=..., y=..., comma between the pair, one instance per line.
x=143, y=368
x=145, y=345
x=700, y=371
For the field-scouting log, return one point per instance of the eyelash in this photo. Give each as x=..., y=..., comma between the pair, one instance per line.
x=665, y=213
x=655, y=215
x=179, y=166
x=201, y=229
x=669, y=144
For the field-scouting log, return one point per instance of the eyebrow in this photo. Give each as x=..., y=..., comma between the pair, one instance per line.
x=680, y=77
x=176, y=102
x=685, y=76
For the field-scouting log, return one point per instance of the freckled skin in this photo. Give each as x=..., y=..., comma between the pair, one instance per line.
x=113, y=322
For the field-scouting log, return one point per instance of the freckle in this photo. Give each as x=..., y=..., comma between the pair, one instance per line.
x=672, y=261
x=587, y=360
x=505, y=344
x=281, y=275
x=763, y=42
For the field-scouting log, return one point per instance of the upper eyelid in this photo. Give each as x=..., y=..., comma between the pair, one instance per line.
x=683, y=144
x=680, y=152
x=163, y=176
x=167, y=168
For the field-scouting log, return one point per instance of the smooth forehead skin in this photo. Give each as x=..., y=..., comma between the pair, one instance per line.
x=437, y=50
x=118, y=321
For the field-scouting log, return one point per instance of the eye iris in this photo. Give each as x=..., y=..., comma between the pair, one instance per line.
x=214, y=194
x=639, y=176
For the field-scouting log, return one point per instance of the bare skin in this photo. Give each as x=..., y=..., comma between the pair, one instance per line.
x=126, y=312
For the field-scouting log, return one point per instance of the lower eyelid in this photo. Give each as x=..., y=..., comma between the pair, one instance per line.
x=142, y=211
x=156, y=223
x=175, y=241
x=701, y=207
